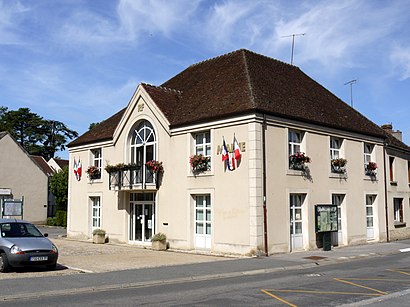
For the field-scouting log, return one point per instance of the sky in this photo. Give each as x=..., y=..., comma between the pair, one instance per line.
x=80, y=61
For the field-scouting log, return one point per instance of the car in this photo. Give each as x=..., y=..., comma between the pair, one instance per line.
x=23, y=245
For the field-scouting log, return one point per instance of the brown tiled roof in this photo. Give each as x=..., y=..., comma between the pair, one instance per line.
x=42, y=164
x=244, y=82
x=61, y=162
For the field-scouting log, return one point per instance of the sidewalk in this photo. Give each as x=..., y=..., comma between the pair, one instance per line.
x=87, y=257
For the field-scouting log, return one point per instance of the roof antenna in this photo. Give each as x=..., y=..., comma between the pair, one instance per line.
x=293, y=44
x=351, y=82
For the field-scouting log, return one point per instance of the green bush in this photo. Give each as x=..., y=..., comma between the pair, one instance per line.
x=61, y=218
x=159, y=237
x=51, y=221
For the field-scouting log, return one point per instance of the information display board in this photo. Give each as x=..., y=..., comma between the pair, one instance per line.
x=326, y=218
x=12, y=207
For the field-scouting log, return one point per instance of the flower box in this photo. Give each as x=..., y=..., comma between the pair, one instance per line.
x=93, y=172
x=298, y=160
x=338, y=165
x=199, y=163
x=371, y=169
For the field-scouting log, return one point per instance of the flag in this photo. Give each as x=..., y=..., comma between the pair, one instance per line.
x=236, y=149
x=77, y=169
x=225, y=153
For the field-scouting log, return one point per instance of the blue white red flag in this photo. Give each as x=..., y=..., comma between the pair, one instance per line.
x=236, y=148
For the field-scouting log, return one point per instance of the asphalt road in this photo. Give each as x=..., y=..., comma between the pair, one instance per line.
x=379, y=281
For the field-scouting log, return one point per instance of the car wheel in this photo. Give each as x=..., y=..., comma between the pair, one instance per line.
x=51, y=267
x=4, y=263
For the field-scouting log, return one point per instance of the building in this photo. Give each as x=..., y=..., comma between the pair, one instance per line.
x=24, y=176
x=294, y=138
x=397, y=181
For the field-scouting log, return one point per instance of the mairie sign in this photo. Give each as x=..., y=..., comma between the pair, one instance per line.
x=230, y=147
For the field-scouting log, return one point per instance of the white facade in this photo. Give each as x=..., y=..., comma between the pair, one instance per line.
x=222, y=210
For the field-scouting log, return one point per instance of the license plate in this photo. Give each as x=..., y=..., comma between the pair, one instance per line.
x=43, y=258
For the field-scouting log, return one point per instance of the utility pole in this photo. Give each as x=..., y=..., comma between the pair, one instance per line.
x=293, y=44
x=351, y=82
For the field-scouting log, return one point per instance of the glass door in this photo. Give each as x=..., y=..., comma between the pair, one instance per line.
x=142, y=217
x=203, y=223
x=337, y=237
x=296, y=235
x=370, y=216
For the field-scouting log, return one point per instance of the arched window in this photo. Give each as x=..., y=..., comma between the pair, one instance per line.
x=143, y=148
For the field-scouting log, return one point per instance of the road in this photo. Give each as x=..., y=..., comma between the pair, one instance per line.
x=356, y=283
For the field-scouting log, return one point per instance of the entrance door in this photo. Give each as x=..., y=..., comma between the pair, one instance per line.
x=203, y=223
x=142, y=217
x=337, y=237
x=370, y=199
x=296, y=235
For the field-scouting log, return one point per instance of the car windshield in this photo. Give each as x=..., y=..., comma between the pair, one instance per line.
x=18, y=230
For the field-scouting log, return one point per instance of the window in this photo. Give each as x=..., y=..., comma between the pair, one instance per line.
x=337, y=162
x=398, y=210
x=335, y=145
x=408, y=171
x=143, y=149
x=203, y=145
x=391, y=168
x=297, y=158
x=97, y=162
x=295, y=142
x=96, y=212
x=367, y=155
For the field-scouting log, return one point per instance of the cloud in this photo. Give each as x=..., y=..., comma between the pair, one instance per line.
x=400, y=60
x=11, y=16
x=336, y=31
x=239, y=23
x=131, y=21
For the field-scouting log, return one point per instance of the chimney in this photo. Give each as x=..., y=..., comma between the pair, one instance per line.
x=389, y=129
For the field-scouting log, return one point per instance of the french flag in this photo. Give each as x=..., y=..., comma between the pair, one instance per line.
x=236, y=149
x=77, y=169
x=225, y=154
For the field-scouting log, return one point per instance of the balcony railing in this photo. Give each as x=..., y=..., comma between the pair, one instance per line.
x=133, y=179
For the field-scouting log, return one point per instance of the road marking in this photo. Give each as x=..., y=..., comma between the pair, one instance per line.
x=397, y=271
x=326, y=292
x=278, y=298
x=379, y=279
x=360, y=286
x=404, y=250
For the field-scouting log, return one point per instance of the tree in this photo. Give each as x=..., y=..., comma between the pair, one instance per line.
x=3, y=110
x=37, y=135
x=59, y=188
x=26, y=127
x=56, y=136
x=92, y=125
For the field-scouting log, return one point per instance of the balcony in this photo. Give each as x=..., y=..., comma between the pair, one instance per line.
x=133, y=178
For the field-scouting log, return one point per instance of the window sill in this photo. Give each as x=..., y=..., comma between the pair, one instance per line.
x=294, y=172
x=335, y=175
x=91, y=181
x=201, y=174
x=399, y=224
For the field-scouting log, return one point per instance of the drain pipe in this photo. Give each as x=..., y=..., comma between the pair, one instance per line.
x=386, y=207
x=265, y=226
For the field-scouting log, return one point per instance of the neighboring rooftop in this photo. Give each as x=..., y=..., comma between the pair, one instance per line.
x=42, y=164
x=243, y=82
